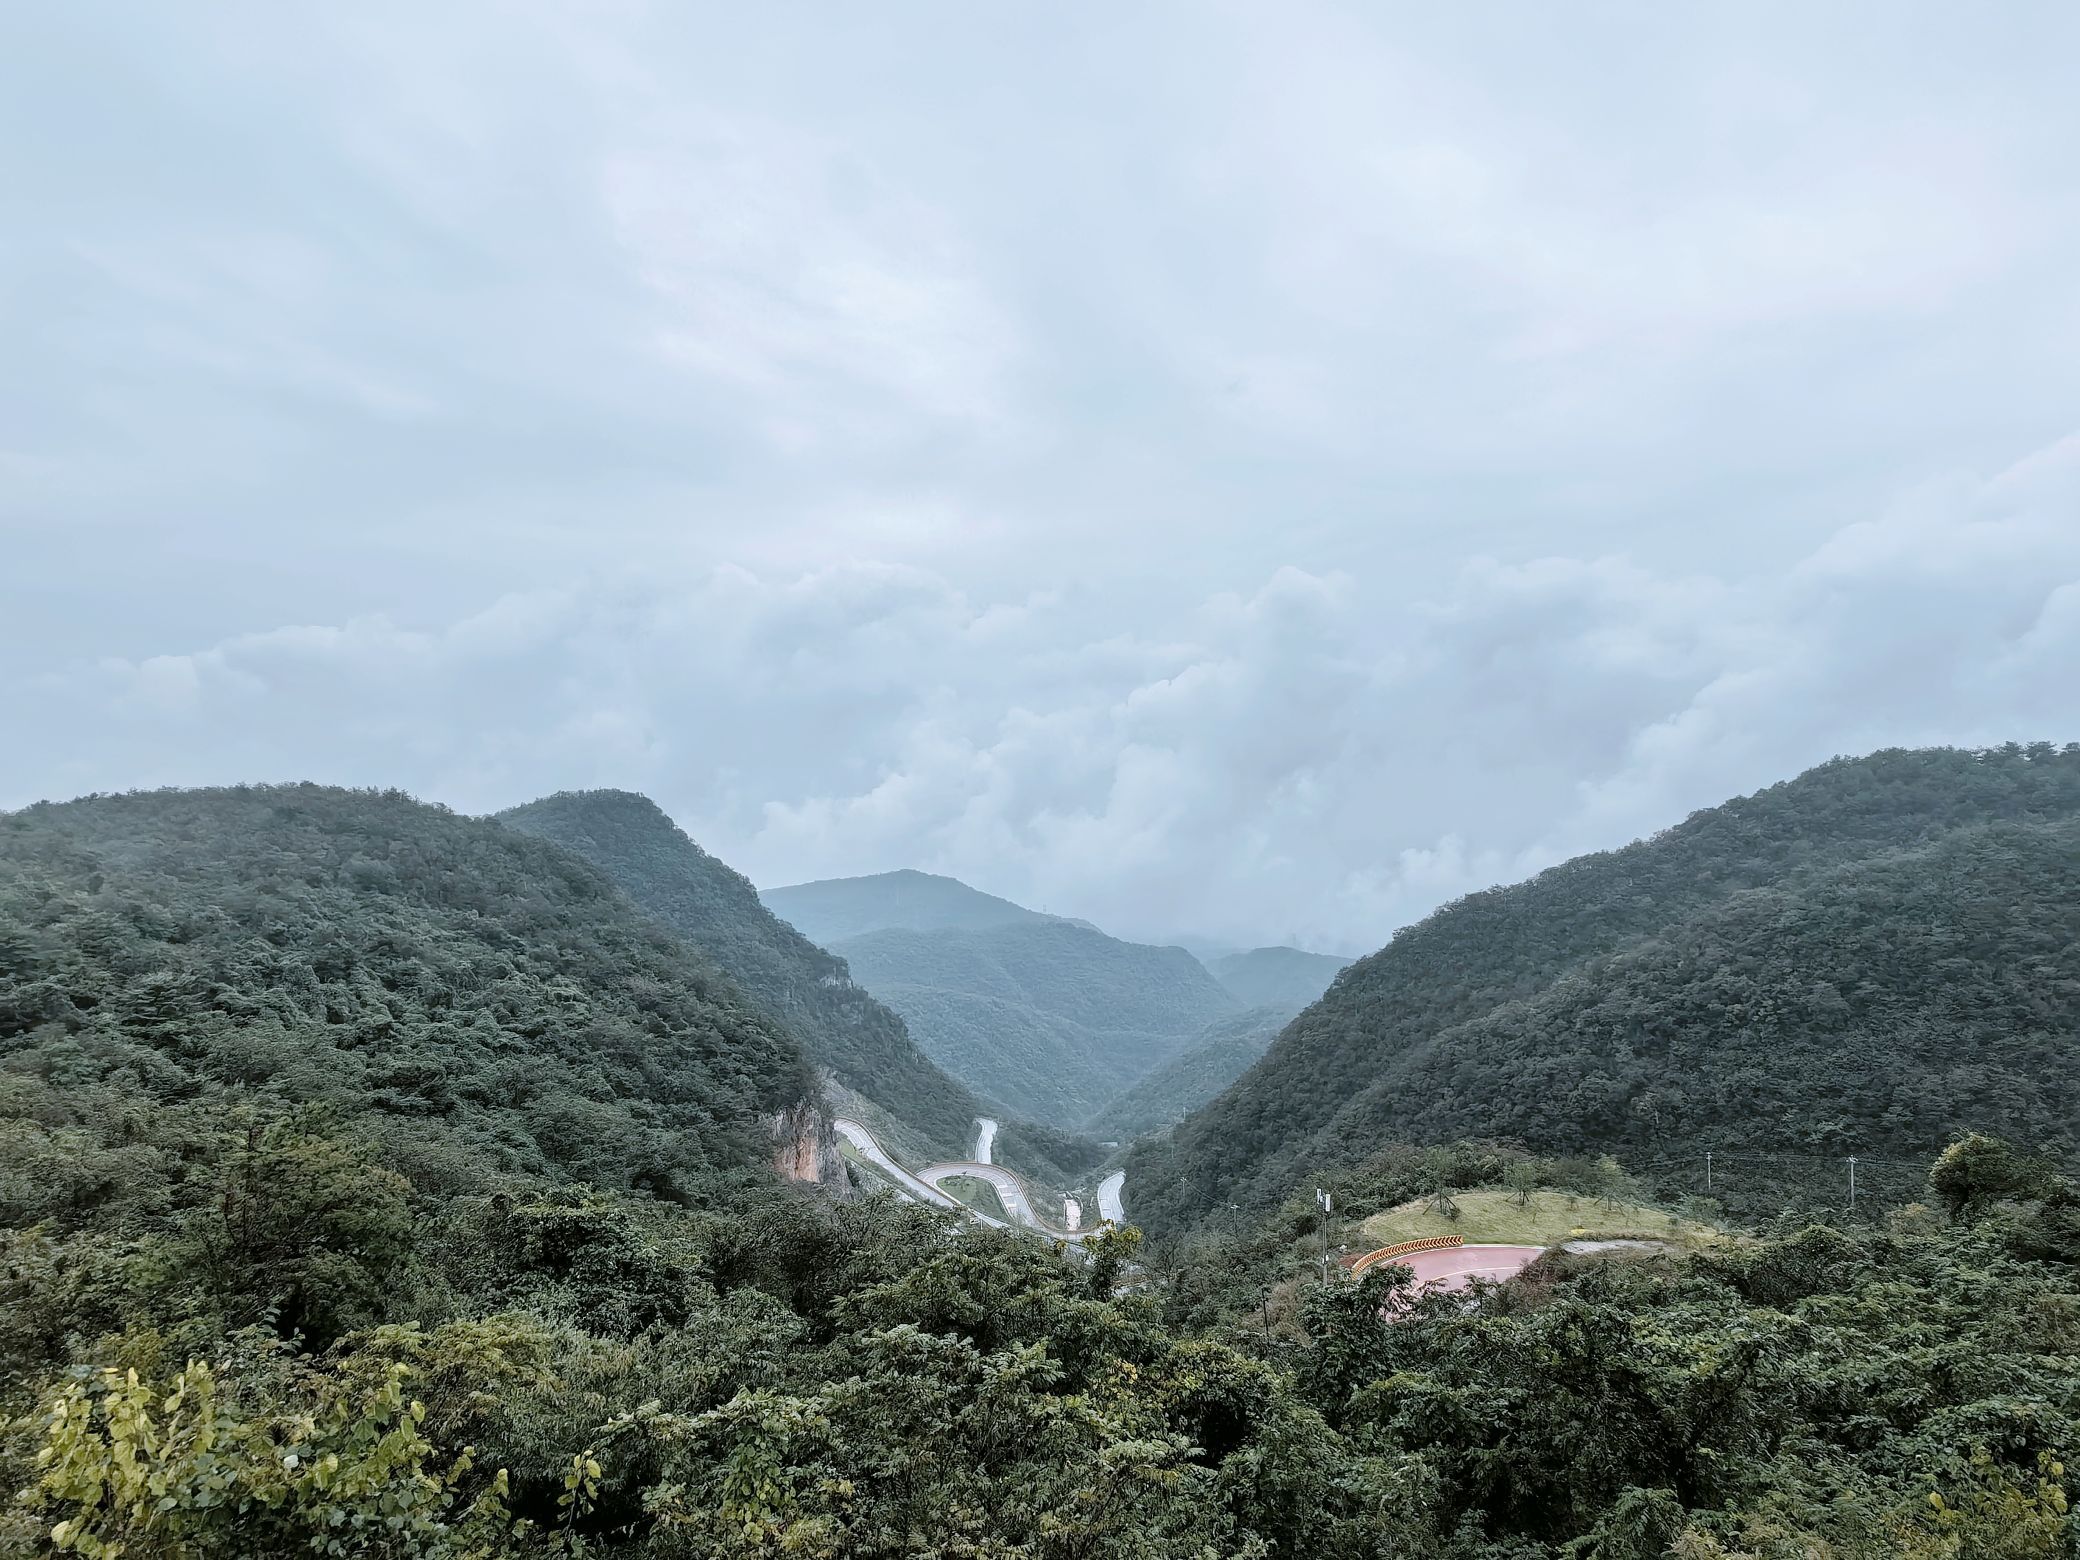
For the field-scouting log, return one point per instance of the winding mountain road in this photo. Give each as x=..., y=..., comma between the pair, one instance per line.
x=923, y=1186
x=1109, y=1204
x=914, y=1187
x=1009, y=1192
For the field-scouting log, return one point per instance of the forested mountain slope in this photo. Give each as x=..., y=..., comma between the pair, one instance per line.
x=473, y=1000
x=585, y=1319
x=1287, y=978
x=1220, y=1054
x=808, y=990
x=1052, y=1017
x=1858, y=958
x=834, y=909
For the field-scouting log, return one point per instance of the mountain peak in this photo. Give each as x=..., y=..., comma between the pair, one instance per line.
x=835, y=909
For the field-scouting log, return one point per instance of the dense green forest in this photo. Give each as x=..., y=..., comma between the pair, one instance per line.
x=1864, y=958
x=1220, y=1054
x=483, y=1001
x=379, y=1182
x=1052, y=1017
x=1288, y=978
x=833, y=909
x=807, y=990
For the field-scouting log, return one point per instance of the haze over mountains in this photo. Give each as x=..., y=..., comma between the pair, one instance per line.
x=834, y=909
x=1053, y=1018
x=1284, y=978
x=1050, y=1015
x=1220, y=1054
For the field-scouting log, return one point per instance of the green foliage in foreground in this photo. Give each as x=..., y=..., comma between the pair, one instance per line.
x=596, y=1375
x=376, y=1182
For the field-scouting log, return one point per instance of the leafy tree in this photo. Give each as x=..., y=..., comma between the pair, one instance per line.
x=1977, y=1171
x=267, y=1457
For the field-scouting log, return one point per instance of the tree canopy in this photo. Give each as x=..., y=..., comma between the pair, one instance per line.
x=807, y=990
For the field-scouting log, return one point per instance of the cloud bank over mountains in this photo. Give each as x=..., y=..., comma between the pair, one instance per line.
x=1247, y=470
x=1304, y=759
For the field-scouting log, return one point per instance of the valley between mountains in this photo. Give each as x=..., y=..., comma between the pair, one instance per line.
x=549, y=1189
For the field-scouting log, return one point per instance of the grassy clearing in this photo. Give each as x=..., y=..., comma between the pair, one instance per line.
x=1550, y=1218
x=977, y=1194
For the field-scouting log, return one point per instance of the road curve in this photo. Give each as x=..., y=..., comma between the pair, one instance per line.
x=910, y=1186
x=1109, y=1204
x=1011, y=1191
x=984, y=1139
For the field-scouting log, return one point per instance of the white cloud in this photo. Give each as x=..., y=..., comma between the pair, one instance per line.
x=1260, y=469
x=791, y=271
x=1290, y=761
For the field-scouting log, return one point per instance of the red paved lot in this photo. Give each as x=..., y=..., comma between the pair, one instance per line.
x=1457, y=1267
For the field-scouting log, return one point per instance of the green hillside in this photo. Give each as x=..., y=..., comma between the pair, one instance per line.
x=472, y=1000
x=1288, y=978
x=1862, y=959
x=1052, y=1017
x=840, y=1026
x=1220, y=1054
x=835, y=909
x=375, y=1181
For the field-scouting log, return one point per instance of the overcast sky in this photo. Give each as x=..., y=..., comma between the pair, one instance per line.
x=1254, y=471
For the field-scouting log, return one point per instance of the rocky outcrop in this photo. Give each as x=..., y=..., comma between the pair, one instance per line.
x=805, y=1146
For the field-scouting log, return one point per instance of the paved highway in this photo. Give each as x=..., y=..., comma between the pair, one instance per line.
x=985, y=1139
x=1011, y=1191
x=1109, y=1204
x=909, y=1185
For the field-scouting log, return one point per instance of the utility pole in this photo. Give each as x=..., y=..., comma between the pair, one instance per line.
x=1327, y=1204
x=1852, y=1186
x=1708, y=1172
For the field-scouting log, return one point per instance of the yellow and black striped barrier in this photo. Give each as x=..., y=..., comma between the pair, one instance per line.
x=1406, y=1248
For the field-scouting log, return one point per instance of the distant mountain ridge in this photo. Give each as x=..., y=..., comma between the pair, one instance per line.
x=1051, y=1016
x=1277, y=977
x=1045, y=1013
x=807, y=990
x=1220, y=1054
x=1868, y=957
x=834, y=910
